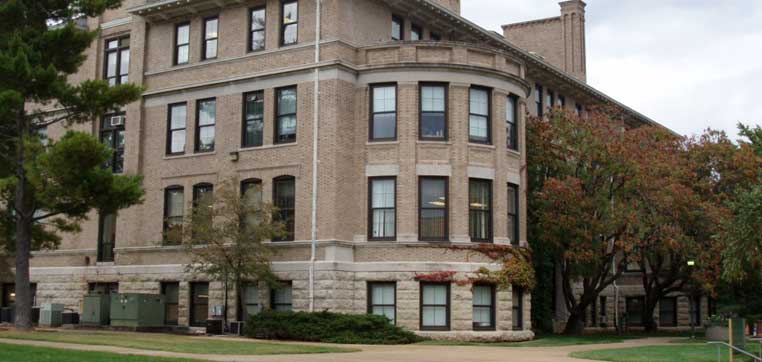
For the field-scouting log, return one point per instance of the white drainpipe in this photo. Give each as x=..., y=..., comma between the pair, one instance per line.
x=315, y=111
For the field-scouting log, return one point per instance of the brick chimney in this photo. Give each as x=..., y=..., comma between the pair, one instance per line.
x=573, y=19
x=452, y=5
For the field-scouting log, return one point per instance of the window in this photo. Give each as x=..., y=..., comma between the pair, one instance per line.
x=282, y=297
x=182, y=43
x=206, y=118
x=9, y=295
x=113, y=136
x=290, y=22
x=42, y=132
x=253, y=119
x=603, y=311
x=593, y=313
x=561, y=101
x=251, y=190
x=513, y=214
x=480, y=210
x=695, y=312
x=634, y=309
x=484, y=307
x=257, y=29
x=711, y=305
x=435, y=36
x=398, y=28
x=511, y=123
x=383, y=117
x=517, y=308
x=117, y=64
x=171, y=293
x=106, y=237
x=176, y=125
x=382, y=298
x=284, y=199
x=551, y=98
x=199, y=306
x=382, y=216
x=203, y=195
x=416, y=33
x=433, y=209
x=538, y=100
x=479, y=113
x=435, y=306
x=285, y=123
x=211, y=37
x=250, y=300
x=174, y=213
x=668, y=312
x=578, y=109
x=433, y=118
x=103, y=288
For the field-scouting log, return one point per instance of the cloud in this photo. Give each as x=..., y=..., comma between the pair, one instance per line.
x=688, y=64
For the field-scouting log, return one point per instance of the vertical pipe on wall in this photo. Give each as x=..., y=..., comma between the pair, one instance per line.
x=315, y=119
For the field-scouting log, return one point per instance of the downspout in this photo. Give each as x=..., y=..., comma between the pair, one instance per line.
x=315, y=119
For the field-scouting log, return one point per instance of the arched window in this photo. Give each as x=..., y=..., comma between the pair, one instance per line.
x=284, y=198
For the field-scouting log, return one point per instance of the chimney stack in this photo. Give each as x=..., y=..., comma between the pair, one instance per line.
x=452, y=5
x=573, y=24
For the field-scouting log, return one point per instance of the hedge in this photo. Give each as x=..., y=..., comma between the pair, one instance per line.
x=328, y=327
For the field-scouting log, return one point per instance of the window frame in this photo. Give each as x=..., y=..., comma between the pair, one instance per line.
x=401, y=21
x=490, y=226
x=446, y=112
x=198, y=126
x=205, y=41
x=245, y=121
x=630, y=321
x=170, y=130
x=517, y=319
x=177, y=46
x=242, y=305
x=673, y=314
x=493, y=313
x=371, y=120
x=164, y=285
x=118, y=50
x=515, y=189
x=512, y=137
x=191, y=306
x=371, y=209
x=290, y=226
x=249, y=47
x=446, y=236
x=370, y=285
x=448, y=307
x=286, y=284
x=167, y=191
x=488, y=141
x=416, y=29
x=538, y=100
x=101, y=255
x=284, y=25
x=117, y=151
x=276, y=138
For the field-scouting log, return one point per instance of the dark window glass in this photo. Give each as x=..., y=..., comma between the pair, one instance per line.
x=538, y=100
x=182, y=43
x=9, y=295
x=432, y=213
x=435, y=306
x=113, y=136
x=106, y=237
x=206, y=118
x=634, y=308
x=398, y=28
x=433, y=112
x=171, y=292
x=593, y=313
x=174, y=214
x=551, y=98
x=382, y=300
x=253, y=119
x=257, y=25
x=211, y=37
x=285, y=124
x=517, y=308
x=711, y=305
x=603, y=311
x=250, y=300
x=668, y=312
x=435, y=37
x=561, y=101
x=284, y=198
x=479, y=115
x=695, y=303
x=290, y=25
x=383, y=118
x=103, y=288
x=282, y=297
x=511, y=123
x=484, y=307
x=117, y=61
x=513, y=214
x=199, y=308
x=203, y=195
x=416, y=33
x=176, y=128
x=578, y=109
x=383, y=202
x=480, y=210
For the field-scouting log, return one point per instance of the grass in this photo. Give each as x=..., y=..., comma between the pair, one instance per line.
x=676, y=353
x=550, y=340
x=173, y=343
x=14, y=353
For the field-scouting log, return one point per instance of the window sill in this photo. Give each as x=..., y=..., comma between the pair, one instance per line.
x=481, y=145
x=513, y=152
x=266, y=147
x=382, y=143
x=434, y=143
x=169, y=157
x=104, y=263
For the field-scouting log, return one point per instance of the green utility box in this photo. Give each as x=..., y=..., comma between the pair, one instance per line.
x=137, y=310
x=95, y=310
x=738, y=332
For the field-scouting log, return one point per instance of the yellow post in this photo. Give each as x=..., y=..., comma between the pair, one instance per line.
x=730, y=339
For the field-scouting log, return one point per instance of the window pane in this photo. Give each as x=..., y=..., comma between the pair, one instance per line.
x=383, y=223
x=290, y=12
x=124, y=66
x=178, y=116
x=211, y=49
x=182, y=54
x=284, y=194
x=482, y=295
x=433, y=99
x=433, y=193
x=383, y=193
x=211, y=28
x=433, y=125
x=433, y=223
x=435, y=316
x=254, y=119
x=479, y=102
x=287, y=128
x=207, y=112
x=111, y=67
x=435, y=294
x=178, y=141
x=482, y=316
x=384, y=99
x=479, y=195
x=206, y=138
x=478, y=127
x=175, y=199
x=387, y=312
x=415, y=33
x=384, y=125
x=290, y=34
x=396, y=29
x=257, y=40
x=183, y=34
x=112, y=44
x=287, y=101
x=258, y=19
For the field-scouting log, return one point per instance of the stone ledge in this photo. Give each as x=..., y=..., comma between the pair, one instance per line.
x=477, y=336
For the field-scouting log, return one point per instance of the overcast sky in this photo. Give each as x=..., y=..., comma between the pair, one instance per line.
x=688, y=64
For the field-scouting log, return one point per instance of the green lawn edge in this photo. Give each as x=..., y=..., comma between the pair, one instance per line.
x=22, y=353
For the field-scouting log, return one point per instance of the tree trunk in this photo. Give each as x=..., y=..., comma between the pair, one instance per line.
x=648, y=321
x=24, y=214
x=575, y=324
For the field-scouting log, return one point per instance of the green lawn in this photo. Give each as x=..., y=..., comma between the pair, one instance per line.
x=173, y=343
x=14, y=353
x=550, y=340
x=676, y=353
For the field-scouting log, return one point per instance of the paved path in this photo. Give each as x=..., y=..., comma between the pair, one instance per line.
x=408, y=353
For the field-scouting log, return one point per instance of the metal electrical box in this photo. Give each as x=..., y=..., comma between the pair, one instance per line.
x=137, y=310
x=51, y=315
x=95, y=310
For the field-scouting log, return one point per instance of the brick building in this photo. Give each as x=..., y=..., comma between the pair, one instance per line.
x=401, y=122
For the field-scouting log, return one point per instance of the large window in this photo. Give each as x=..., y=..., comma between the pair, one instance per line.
x=113, y=136
x=285, y=123
x=176, y=128
x=253, y=119
x=199, y=308
x=206, y=118
x=517, y=307
x=174, y=213
x=106, y=236
x=117, y=64
x=383, y=117
x=480, y=210
x=257, y=22
x=211, y=38
x=668, y=312
x=171, y=292
x=634, y=309
x=433, y=209
x=382, y=216
x=398, y=28
x=484, y=307
x=182, y=43
x=284, y=198
x=416, y=32
x=282, y=299
x=250, y=301
x=511, y=123
x=538, y=100
x=290, y=23
x=433, y=117
x=513, y=214
x=435, y=306
x=479, y=115
x=382, y=298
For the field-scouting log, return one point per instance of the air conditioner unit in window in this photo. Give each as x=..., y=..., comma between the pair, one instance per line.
x=117, y=121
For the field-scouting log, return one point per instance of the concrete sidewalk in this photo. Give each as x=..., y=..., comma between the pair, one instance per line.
x=406, y=353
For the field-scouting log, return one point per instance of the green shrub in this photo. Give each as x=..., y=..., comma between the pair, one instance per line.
x=328, y=327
